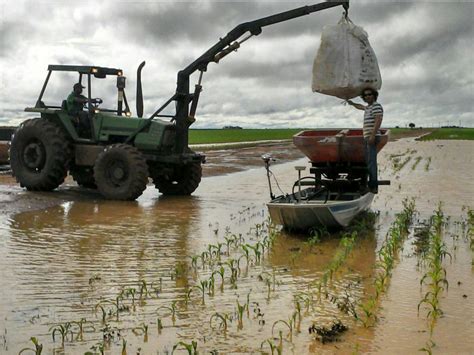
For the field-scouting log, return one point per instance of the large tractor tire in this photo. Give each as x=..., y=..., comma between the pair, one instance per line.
x=40, y=155
x=121, y=172
x=184, y=181
x=84, y=176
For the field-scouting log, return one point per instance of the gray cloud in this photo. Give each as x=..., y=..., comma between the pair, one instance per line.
x=425, y=52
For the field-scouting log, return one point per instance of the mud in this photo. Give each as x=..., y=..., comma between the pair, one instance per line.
x=58, y=263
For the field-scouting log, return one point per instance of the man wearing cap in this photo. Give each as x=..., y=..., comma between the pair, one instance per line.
x=75, y=103
x=372, y=120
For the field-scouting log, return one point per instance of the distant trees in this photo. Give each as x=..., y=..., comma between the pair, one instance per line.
x=411, y=125
x=231, y=127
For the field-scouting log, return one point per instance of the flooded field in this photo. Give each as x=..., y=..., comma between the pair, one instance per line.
x=208, y=272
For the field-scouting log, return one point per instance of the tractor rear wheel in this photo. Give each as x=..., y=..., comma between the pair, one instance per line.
x=40, y=155
x=184, y=181
x=83, y=175
x=121, y=172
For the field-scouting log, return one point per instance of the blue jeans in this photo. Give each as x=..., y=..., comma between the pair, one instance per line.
x=371, y=160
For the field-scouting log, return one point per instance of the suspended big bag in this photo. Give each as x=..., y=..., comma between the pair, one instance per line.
x=345, y=63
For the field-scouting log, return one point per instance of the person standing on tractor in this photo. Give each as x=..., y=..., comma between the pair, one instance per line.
x=75, y=104
x=372, y=120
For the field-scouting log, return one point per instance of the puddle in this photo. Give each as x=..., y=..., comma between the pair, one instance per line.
x=58, y=263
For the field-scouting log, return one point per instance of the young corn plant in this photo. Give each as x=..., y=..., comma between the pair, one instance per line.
x=37, y=350
x=83, y=326
x=203, y=285
x=417, y=160
x=190, y=348
x=240, y=314
x=345, y=247
x=290, y=324
x=427, y=164
x=172, y=310
x=221, y=272
x=435, y=277
x=64, y=330
x=142, y=329
x=222, y=320
x=385, y=262
x=274, y=348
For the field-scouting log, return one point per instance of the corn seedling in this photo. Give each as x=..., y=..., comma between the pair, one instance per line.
x=143, y=290
x=98, y=348
x=246, y=250
x=203, y=285
x=345, y=247
x=171, y=309
x=124, y=346
x=275, y=349
x=141, y=330
x=436, y=274
x=194, y=261
x=130, y=292
x=37, y=350
x=417, y=160
x=427, y=164
x=159, y=325
x=191, y=348
x=221, y=272
x=83, y=325
x=64, y=330
x=290, y=324
x=385, y=263
x=222, y=319
x=240, y=313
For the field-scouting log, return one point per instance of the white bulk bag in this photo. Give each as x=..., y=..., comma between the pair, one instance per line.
x=345, y=63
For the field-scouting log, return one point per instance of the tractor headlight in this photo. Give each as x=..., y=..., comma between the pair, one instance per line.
x=94, y=70
x=96, y=111
x=128, y=114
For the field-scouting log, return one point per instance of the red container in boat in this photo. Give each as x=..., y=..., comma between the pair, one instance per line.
x=336, y=145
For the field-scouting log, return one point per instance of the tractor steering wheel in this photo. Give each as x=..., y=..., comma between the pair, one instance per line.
x=96, y=102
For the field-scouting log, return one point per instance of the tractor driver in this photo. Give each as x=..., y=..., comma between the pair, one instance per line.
x=75, y=103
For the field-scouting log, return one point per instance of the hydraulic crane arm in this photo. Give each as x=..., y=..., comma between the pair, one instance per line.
x=222, y=48
x=255, y=28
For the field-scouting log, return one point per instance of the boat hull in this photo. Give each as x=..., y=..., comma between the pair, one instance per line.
x=304, y=215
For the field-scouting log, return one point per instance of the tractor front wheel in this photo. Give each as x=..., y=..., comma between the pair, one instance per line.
x=121, y=172
x=39, y=155
x=184, y=181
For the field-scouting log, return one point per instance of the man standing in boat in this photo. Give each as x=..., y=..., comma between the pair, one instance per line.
x=372, y=120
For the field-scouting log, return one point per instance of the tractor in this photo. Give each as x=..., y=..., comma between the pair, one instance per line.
x=120, y=153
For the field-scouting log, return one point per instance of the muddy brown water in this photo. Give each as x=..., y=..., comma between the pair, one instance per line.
x=58, y=262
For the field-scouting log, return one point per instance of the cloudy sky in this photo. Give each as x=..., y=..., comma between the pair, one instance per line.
x=425, y=51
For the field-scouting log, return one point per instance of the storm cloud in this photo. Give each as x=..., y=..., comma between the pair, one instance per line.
x=425, y=51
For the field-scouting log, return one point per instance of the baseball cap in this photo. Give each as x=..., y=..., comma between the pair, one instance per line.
x=78, y=85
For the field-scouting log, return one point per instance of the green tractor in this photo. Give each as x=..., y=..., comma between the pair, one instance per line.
x=119, y=153
x=117, y=156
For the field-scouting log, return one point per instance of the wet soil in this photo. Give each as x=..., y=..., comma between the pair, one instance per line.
x=70, y=250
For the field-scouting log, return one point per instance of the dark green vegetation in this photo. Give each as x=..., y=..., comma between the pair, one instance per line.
x=450, y=133
x=208, y=136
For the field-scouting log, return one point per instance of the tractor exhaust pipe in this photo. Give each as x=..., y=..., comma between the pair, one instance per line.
x=139, y=90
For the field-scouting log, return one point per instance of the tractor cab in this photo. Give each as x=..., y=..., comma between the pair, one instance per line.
x=92, y=107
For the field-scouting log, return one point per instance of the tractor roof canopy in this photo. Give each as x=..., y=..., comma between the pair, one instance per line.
x=85, y=69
